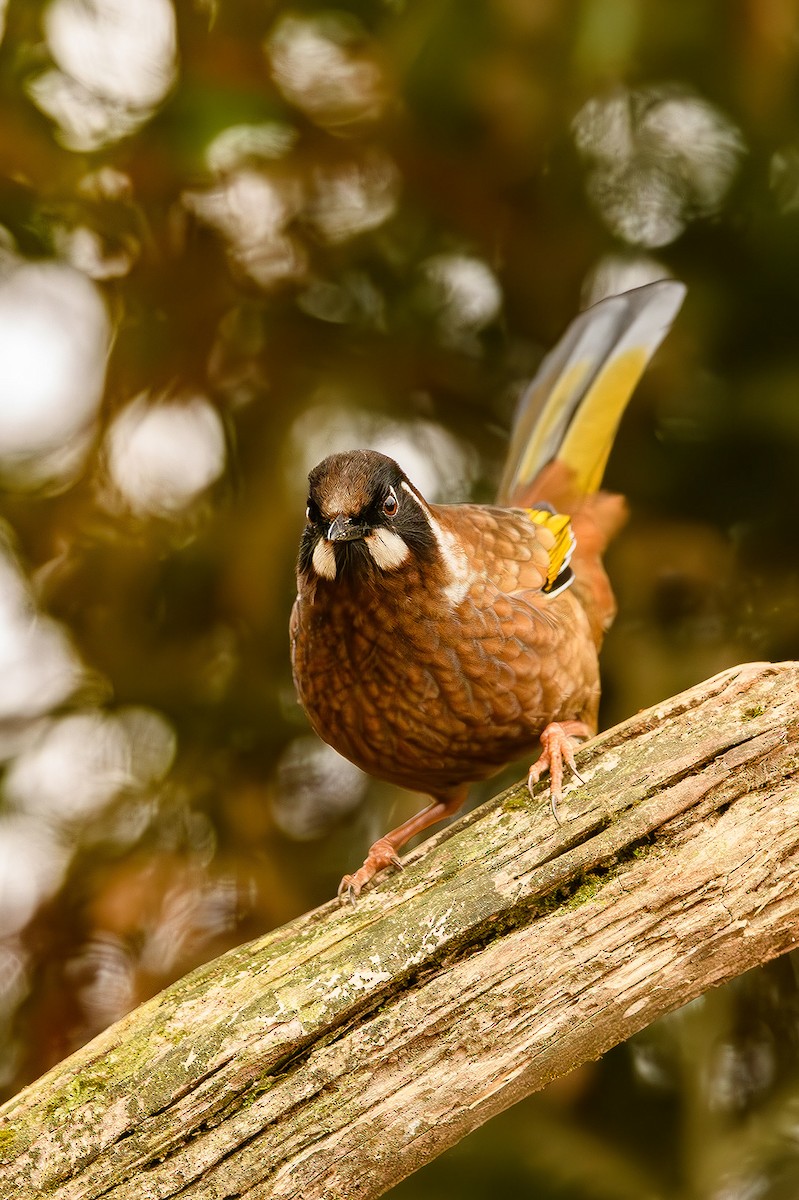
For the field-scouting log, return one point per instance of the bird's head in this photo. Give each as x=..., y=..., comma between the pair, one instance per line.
x=364, y=517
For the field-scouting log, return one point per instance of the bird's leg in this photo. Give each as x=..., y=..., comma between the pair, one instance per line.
x=384, y=851
x=556, y=740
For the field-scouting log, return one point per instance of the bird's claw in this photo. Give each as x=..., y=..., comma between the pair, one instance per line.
x=381, y=854
x=348, y=890
x=557, y=750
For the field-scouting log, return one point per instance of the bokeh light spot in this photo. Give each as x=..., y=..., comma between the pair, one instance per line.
x=163, y=455
x=463, y=294
x=660, y=156
x=38, y=666
x=33, y=860
x=54, y=340
x=115, y=62
x=80, y=763
x=353, y=197
x=322, y=66
x=251, y=211
x=240, y=144
x=315, y=788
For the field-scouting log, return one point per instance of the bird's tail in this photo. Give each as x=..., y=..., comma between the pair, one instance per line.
x=570, y=412
x=568, y=417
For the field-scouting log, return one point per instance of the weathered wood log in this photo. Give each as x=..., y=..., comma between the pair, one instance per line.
x=343, y=1051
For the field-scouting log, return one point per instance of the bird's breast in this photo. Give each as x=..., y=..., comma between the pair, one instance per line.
x=422, y=691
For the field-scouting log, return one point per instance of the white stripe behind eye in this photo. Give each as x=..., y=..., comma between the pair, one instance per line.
x=406, y=487
x=455, y=561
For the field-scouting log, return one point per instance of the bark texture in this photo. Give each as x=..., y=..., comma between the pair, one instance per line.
x=338, y=1054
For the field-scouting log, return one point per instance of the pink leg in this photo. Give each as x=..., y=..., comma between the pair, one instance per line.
x=557, y=750
x=384, y=851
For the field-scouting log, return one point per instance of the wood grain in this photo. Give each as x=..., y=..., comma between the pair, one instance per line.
x=341, y=1052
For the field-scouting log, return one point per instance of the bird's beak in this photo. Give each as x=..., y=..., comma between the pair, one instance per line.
x=345, y=529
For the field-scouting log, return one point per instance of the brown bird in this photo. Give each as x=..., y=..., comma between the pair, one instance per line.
x=434, y=644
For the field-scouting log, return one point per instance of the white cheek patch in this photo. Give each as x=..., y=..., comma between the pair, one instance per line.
x=324, y=559
x=387, y=549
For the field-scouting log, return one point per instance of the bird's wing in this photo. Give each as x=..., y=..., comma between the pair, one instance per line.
x=518, y=549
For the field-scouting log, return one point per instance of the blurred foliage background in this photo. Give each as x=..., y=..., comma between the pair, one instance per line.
x=235, y=237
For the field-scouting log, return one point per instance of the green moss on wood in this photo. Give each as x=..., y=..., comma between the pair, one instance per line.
x=516, y=801
x=590, y=887
x=8, y=1144
x=79, y=1091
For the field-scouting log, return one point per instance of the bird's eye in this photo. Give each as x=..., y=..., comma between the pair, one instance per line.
x=391, y=503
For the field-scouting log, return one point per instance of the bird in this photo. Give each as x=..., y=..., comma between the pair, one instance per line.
x=433, y=644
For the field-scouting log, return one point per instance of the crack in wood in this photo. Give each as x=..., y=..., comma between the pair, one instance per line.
x=511, y=948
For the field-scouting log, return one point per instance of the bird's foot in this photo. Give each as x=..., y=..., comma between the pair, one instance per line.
x=381, y=854
x=557, y=750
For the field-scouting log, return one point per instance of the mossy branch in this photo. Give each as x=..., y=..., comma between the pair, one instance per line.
x=343, y=1051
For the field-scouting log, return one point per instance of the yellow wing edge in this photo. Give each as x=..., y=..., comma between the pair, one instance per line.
x=559, y=574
